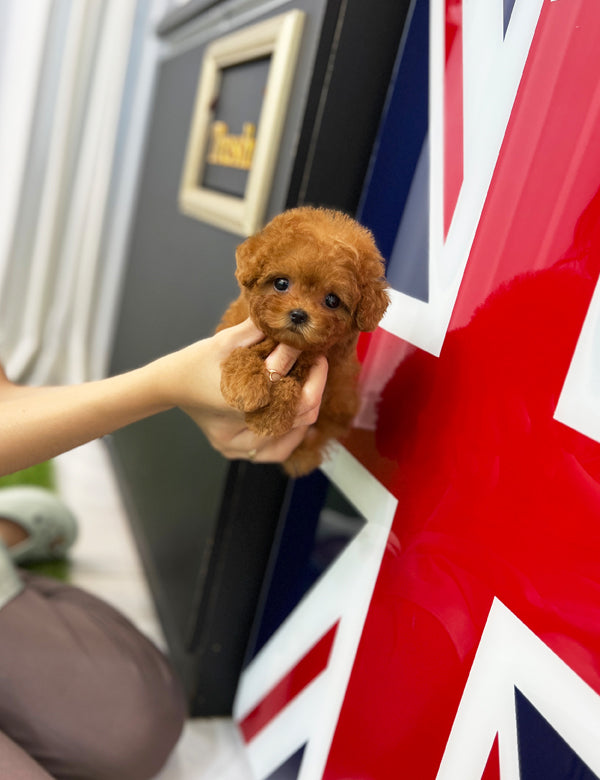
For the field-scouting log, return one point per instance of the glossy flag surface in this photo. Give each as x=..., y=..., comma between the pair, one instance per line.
x=456, y=633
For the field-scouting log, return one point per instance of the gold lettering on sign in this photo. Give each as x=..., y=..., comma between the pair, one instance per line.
x=231, y=151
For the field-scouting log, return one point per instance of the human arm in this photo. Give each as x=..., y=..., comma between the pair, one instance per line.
x=38, y=423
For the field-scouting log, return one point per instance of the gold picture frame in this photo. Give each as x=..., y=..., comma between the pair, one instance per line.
x=254, y=148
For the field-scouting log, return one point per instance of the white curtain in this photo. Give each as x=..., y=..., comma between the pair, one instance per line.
x=63, y=83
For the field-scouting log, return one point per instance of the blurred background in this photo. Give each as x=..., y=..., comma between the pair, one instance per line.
x=75, y=81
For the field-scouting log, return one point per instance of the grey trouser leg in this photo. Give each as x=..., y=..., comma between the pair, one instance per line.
x=82, y=692
x=17, y=765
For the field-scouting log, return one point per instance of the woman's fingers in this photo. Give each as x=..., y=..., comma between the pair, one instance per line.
x=243, y=335
x=260, y=449
x=278, y=450
x=281, y=360
x=312, y=393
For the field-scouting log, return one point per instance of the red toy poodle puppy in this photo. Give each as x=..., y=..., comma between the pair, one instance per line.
x=312, y=279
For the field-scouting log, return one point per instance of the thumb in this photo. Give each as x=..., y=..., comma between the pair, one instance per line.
x=246, y=333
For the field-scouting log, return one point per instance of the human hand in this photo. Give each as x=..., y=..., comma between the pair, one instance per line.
x=197, y=376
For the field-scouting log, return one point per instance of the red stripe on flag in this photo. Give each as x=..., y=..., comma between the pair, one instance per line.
x=492, y=768
x=453, y=110
x=305, y=671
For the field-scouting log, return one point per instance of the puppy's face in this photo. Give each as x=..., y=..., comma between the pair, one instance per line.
x=312, y=278
x=301, y=302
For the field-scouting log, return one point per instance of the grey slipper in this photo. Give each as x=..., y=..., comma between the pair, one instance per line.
x=49, y=523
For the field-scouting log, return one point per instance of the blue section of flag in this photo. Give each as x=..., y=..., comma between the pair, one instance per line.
x=317, y=526
x=543, y=753
x=290, y=769
x=395, y=203
x=508, y=9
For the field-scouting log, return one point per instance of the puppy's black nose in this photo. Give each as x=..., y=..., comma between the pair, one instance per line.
x=298, y=316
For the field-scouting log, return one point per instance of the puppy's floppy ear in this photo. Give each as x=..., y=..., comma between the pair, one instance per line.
x=249, y=263
x=372, y=304
x=374, y=298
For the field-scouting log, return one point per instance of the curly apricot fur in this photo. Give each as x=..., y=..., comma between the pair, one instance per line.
x=335, y=289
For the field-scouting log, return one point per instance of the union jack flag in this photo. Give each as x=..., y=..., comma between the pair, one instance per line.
x=457, y=635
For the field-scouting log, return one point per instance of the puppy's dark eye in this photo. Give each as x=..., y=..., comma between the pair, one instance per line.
x=332, y=301
x=281, y=284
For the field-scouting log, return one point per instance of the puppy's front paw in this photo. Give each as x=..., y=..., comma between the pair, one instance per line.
x=267, y=422
x=277, y=417
x=244, y=382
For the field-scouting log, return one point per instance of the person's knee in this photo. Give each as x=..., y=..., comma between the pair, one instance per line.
x=138, y=746
x=134, y=740
x=125, y=731
x=117, y=707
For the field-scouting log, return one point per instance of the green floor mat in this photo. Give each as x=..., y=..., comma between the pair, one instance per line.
x=42, y=475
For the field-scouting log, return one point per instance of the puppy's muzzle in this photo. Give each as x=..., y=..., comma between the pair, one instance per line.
x=298, y=317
